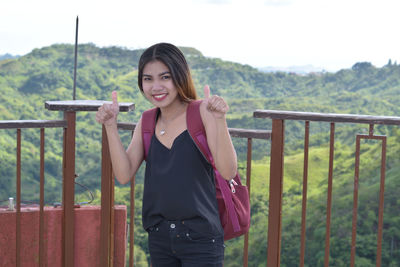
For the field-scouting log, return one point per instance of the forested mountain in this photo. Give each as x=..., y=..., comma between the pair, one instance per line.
x=44, y=74
x=7, y=56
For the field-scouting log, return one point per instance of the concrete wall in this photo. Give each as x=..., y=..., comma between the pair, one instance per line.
x=87, y=236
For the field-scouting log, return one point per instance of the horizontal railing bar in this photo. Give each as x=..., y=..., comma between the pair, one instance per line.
x=250, y=133
x=327, y=117
x=84, y=105
x=17, y=124
x=126, y=126
x=235, y=132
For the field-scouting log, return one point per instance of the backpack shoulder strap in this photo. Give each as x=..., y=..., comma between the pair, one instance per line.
x=197, y=132
x=148, y=125
x=196, y=129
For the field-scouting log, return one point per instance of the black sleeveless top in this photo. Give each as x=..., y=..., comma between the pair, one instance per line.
x=179, y=185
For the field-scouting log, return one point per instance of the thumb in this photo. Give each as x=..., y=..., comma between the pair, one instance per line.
x=114, y=98
x=206, y=92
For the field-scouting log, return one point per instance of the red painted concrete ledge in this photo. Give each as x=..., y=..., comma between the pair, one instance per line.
x=87, y=236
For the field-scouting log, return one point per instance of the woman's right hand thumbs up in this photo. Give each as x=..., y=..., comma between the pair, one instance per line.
x=107, y=113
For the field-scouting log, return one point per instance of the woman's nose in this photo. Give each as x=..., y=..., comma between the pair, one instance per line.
x=157, y=85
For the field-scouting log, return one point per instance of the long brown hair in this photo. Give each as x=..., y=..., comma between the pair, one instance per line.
x=174, y=59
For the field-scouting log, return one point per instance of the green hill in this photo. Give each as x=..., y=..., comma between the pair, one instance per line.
x=44, y=74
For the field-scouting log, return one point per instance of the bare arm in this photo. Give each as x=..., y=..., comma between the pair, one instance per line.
x=213, y=110
x=125, y=163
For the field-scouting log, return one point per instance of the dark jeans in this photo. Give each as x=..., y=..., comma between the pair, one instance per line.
x=171, y=243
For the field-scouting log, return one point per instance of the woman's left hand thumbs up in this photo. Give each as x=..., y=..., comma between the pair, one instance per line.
x=216, y=105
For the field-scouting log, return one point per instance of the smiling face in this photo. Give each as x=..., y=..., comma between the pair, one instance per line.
x=158, y=86
x=174, y=61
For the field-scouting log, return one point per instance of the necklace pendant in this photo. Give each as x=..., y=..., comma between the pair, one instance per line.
x=162, y=132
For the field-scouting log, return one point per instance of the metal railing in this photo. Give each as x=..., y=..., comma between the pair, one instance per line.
x=107, y=182
x=69, y=108
x=18, y=126
x=277, y=136
x=276, y=177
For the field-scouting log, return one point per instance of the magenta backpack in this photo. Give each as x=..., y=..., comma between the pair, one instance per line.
x=232, y=196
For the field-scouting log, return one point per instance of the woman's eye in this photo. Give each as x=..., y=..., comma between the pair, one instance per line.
x=166, y=77
x=146, y=79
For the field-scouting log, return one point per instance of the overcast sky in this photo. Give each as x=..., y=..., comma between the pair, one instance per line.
x=332, y=34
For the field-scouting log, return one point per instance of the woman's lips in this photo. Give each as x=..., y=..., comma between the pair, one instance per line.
x=159, y=97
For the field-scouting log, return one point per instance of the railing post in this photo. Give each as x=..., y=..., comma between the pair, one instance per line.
x=275, y=194
x=42, y=241
x=107, y=206
x=107, y=196
x=69, y=188
x=18, y=214
x=248, y=184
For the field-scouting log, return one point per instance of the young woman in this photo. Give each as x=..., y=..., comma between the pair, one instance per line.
x=180, y=210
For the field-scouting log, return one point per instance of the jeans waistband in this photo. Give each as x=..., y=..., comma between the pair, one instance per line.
x=167, y=225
